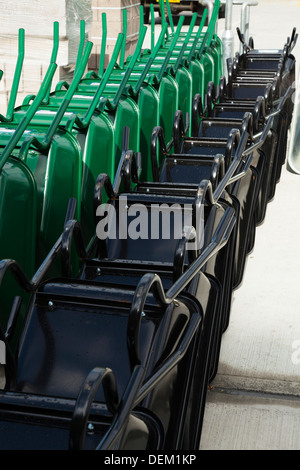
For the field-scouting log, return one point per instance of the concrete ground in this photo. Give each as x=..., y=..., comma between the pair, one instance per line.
x=255, y=400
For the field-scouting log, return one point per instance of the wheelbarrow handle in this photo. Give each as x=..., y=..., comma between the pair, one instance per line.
x=188, y=234
x=259, y=112
x=170, y=51
x=153, y=54
x=127, y=403
x=213, y=21
x=28, y=116
x=210, y=98
x=218, y=170
x=179, y=129
x=130, y=170
x=16, y=79
x=240, y=35
x=151, y=282
x=103, y=182
x=53, y=55
x=46, y=142
x=72, y=230
x=97, y=377
x=17, y=271
x=83, y=123
x=185, y=43
x=226, y=180
x=170, y=362
x=192, y=54
x=293, y=40
x=281, y=104
x=197, y=112
x=248, y=125
x=157, y=136
x=231, y=144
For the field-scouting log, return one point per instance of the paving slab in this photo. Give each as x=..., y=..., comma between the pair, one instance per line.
x=254, y=403
x=250, y=422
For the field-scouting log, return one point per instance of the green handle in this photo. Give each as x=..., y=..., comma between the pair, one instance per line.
x=69, y=94
x=103, y=45
x=81, y=45
x=28, y=116
x=53, y=55
x=130, y=67
x=122, y=55
x=151, y=59
x=43, y=145
x=170, y=16
x=82, y=123
x=192, y=51
x=213, y=21
x=185, y=43
x=210, y=29
x=163, y=16
x=171, y=48
x=16, y=80
x=152, y=25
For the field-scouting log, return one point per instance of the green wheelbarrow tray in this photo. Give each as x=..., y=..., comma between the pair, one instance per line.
x=213, y=45
x=164, y=94
x=209, y=51
x=167, y=80
x=81, y=103
x=155, y=75
x=178, y=66
x=47, y=166
x=108, y=124
x=76, y=104
x=96, y=131
x=32, y=208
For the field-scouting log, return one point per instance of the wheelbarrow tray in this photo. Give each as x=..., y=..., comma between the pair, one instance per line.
x=87, y=326
x=47, y=425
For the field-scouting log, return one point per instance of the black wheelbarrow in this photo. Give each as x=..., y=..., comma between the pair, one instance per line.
x=268, y=63
x=245, y=191
x=131, y=321
x=274, y=147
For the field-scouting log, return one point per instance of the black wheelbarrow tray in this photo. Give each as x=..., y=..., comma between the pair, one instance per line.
x=161, y=253
x=262, y=60
x=149, y=343
x=180, y=173
x=274, y=148
x=244, y=191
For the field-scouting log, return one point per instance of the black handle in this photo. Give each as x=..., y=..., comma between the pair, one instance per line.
x=98, y=376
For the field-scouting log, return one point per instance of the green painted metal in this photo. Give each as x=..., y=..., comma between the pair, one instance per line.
x=91, y=131
x=16, y=79
x=54, y=146
x=146, y=95
x=39, y=172
x=19, y=206
x=189, y=77
x=210, y=51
